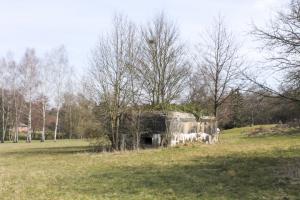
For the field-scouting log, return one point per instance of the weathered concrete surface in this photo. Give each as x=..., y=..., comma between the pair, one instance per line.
x=163, y=129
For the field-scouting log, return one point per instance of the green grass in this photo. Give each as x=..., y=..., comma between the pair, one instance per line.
x=239, y=167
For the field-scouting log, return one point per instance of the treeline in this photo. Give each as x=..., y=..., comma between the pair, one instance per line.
x=134, y=69
x=28, y=87
x=248, y=108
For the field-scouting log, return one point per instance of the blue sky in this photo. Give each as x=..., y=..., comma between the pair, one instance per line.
x=77, y=24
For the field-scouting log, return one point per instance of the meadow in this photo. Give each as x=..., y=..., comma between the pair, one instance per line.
x=239, y=167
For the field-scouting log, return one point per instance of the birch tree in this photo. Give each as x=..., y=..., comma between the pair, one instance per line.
x=70, y=104
x=4, y=99
x=11, y=98
x=58, y=63
x=29, y=73
x=44, y=92
x=14, y=73
x=7, y=66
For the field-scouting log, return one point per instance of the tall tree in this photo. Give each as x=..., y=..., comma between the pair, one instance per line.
x=236, y=107
x=199, y=94
x=44, y=92
x=70, y=114
x=109, y=74
x=164, y=65
x=70, y=104
x=18, y=101
x=7, y=66
x=218, y=62
x=57, y=61
x=29, y=73
x=4, y=114
x=281, y=42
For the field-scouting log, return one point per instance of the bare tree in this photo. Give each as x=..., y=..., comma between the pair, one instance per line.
x=44, y=109
x=11, y=97
x=70, y=103
x=199, y=93
x=109, y=74
x=42, y=104
x=218, y=62
x=70, y=113
x=164, y=65
x=44, y=92
x=14, y=73
x=281, y=41
x=136, y=103
x=29, y=73
x=4, y=100
x=57, y=61
x=7, y=66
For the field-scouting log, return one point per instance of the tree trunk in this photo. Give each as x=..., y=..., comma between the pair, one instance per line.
x=5, y=123
x=56, y=123
x=3, y=118
x=44, y=121
x=216, y=85
x=16, y=138
x=138, y=130
x=117, y=133
x=113, y=132
x=29, y=131
x=215, y=109
x=252, y=118
x=70, y=122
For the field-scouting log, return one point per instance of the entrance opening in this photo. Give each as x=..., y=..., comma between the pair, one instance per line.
x=147, y=140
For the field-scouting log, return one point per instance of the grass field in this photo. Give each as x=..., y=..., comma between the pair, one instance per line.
x=240, y=167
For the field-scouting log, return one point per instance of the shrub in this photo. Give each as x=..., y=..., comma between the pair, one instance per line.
x=101, y=144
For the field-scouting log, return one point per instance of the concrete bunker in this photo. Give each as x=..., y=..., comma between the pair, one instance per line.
x=163, y=128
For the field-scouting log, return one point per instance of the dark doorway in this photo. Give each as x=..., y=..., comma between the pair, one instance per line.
x=147, y=140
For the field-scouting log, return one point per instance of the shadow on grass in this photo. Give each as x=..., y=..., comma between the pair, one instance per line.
x=50, y=151
x=236, y=176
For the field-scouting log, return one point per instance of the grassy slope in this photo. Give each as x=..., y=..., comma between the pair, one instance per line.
x=237, y=168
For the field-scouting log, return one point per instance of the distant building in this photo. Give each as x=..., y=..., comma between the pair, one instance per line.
x=22, y=128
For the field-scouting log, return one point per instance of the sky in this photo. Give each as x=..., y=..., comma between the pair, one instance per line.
x=77, y=24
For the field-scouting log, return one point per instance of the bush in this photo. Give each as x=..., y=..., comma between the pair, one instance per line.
x=101, y=144
x=99, y=141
